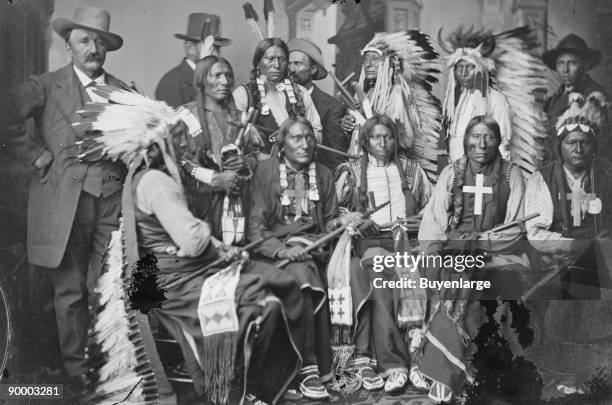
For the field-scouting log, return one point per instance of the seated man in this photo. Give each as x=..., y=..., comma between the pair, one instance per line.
x=473, y=195
x=294, y=200
x=380, y=171
x=573, y=197
x=246, y=299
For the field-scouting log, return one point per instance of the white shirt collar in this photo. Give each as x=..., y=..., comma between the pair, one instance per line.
x=377, y=163
x=190, y=63
x=86, y=80
x=310, y=89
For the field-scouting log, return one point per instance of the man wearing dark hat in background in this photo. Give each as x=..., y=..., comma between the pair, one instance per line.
x=306, y=64
x=571, y=59
x=176, y=87
x=73, y=205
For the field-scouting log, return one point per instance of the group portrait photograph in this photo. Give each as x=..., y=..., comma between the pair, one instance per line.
x=302, y=202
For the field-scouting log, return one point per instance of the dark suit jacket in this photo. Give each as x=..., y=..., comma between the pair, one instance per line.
x=331, y=112
x=176, y=87
x=557, y=104
x=52, y=100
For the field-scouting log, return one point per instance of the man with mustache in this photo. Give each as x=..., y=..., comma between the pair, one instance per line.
x=274, y=95
x=573, y=196
x=175, y=87
x=306, y=64
x=571, y=59
x=73, y=205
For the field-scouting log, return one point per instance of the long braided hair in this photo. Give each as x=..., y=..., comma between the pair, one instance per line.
x=260, y=50
x=202, y=69
x=364, y=141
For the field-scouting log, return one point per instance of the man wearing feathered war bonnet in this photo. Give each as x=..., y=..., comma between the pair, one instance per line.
x=501, y=76
x=468, y=91
x=213, y=313
x=573, y=196
x=396, y=80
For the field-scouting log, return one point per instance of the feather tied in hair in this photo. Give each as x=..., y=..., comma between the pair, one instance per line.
x=269, y=16
x=252, y=20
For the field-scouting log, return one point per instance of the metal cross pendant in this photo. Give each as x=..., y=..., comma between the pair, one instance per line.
x=578, y=199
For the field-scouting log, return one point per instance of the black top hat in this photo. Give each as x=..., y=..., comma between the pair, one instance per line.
x=196, y=23
x=576, y=45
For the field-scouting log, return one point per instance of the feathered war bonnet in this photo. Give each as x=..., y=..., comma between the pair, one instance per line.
x=403, y=89
x=471, y=46
x=126, y=126
x=583, y=115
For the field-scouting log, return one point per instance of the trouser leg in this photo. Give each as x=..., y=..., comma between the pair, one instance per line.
x=69, y=282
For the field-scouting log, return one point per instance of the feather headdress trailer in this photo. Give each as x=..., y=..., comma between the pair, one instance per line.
x=509, y=63
x=124, y=127
x=403, y=91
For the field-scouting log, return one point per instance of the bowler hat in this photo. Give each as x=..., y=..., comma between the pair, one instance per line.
x=313, y=51
x=576, y=45
x=195, y=24
x=92, y=19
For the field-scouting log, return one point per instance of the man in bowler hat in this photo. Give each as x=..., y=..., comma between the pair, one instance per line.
x=73, y=205
x=306, y=64
x=176, y=87
x=571, y=59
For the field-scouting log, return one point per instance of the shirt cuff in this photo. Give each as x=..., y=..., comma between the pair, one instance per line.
x=203, y=175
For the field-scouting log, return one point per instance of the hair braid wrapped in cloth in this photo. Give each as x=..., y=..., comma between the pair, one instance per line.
x=507, y=62
x=403, y=91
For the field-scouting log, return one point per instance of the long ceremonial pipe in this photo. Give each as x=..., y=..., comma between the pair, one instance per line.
x=503, y=227
x=554, y=273
x=225, y=259
x=336, y=151
x=331, y=235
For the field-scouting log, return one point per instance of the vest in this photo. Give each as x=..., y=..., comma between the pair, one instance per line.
x=266, y=124
x=586, y=230
x=494, y=204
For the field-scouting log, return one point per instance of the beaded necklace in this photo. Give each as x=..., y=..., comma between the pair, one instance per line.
x=285, y=86
x=313, y=191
